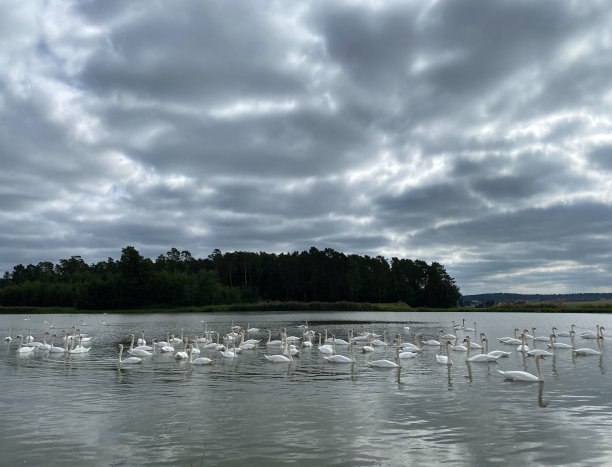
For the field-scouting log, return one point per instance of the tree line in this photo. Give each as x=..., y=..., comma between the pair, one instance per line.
x=179, y=279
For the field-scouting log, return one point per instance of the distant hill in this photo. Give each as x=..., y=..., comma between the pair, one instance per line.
x=513, y=297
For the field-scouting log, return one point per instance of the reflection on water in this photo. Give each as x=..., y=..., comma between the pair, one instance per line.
x=61, y=408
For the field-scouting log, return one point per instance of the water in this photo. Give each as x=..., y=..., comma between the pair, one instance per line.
x=62, y=409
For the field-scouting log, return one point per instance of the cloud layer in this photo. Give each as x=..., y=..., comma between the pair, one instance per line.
x=473, y=133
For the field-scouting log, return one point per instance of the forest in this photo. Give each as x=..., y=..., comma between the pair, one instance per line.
x=177, y=279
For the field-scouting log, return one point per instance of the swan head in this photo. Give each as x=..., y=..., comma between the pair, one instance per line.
x=120, y=346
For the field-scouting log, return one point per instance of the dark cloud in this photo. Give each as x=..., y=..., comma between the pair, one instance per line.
x=473, y=133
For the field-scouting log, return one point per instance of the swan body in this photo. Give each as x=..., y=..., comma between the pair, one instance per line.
x=279, y=358
x=494, y=353
x=387, y=363
x=586, y=350
x=432, y=342
x=341, y=358
x=8, y=338
x=137, y=350
x=54, y=349
x=129, y=360
x=44, y=345
x=325, y=348
x=198, y=361
x=544, y=353
x=21, y=349
x=444, y=359
x=479, y=358
x=79, y=349
x=516, y=375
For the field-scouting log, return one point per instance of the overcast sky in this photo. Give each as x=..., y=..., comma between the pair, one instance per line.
x=474, y=133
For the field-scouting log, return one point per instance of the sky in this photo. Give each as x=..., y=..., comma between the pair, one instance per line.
x=474, y=133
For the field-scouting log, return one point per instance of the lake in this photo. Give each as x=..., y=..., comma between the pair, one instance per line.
x=62, y=409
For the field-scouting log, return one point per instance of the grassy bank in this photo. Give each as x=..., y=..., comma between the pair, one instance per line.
x=324, y=306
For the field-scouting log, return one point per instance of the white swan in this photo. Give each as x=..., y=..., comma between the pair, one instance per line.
x=586, y=350
x=559, y=345
x=444, y=359
x=523, y=347
x=494, y=353
x=129, y=360
x=141, y=340
x=44, y=345
x=342, y=358
x=409, y=347
x=21, y=349
x=380, y=343
x=368, y=348
x=8, y=338
x=29, y=337
x=54, y=349
x=517, y=375
x=544, y=353
x=138, y=351
x=325, y=348
x=279, y=358
x=387, y=363
x=567, y=333
x=511, y=340
x=182, y=354
x=168, y=348
x=432, y=342
x=79, y=349
x=272, y=342
x=198, y=361
x=229, y=353
x=479, y=358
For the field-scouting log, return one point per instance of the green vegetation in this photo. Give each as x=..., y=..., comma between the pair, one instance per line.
x=313, y=279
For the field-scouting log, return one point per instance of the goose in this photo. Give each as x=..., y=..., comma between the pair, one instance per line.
x=545, y=353
x=342, y=358
x=22, y=350
x=198, y=361
x=444, y=359
x=8, y=338
x=387, y=363
x=495, y=353
x=129, y=360
x=479, y=358
x=517, y=375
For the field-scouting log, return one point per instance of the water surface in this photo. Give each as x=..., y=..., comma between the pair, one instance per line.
x=62, y=409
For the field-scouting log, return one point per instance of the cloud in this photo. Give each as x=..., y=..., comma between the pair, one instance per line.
x=472, y=133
